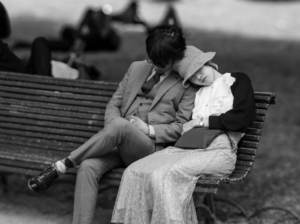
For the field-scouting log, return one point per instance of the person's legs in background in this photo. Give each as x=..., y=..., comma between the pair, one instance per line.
x=40, y=58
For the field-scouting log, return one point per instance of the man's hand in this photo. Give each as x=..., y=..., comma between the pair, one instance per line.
x=139, y=124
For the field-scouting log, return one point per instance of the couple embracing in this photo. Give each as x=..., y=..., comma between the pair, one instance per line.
x=177, y=90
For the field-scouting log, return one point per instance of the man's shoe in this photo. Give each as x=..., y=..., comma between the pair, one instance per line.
x=43, y=181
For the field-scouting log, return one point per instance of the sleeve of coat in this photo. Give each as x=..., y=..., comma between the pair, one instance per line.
x=167, y=133
x=113, y=106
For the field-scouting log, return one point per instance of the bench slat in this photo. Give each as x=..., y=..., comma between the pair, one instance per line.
x=244, y=157
x=53, y=106
x=271, y=94
x=244, y=163
x=65, y=95
x=49, y=127
x=260, y=118
x=248, y=144
x=42, y=114
x=260, y=112
x=38, y=143
x=48, y=136
x=24, y=87
x=252, y=138
x=262, y=106
x=199, y=189
x=33, y=155
x=257, y=125
x=237, y=167
x=24, y=164
x=247, y=151
x=53, y=121
x=24, y=171
x=263, y=98
x=83, y=84
x=254, y=131
x=55, y=100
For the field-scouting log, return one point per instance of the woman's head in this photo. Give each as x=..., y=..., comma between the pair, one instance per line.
x=195, y=66
x=205, y=76
x=164, y=45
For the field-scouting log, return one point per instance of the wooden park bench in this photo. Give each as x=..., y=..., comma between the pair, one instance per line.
x=43, y=119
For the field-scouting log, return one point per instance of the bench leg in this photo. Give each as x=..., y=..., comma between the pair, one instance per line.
x=293, y=215
x=207, y=208
x=4, y=182
x=209, y=202
x=234, y=204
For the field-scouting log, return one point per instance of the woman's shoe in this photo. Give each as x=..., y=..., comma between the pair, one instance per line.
x=43, y=180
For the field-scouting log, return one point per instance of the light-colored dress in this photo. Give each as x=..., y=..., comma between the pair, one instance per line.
x=158, y=188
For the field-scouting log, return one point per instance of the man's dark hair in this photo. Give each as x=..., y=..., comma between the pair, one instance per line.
x=165, y=44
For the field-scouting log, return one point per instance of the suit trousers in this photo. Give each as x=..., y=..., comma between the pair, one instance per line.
x=118, y=144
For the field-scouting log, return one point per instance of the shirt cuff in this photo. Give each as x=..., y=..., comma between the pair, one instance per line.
x=151, y=132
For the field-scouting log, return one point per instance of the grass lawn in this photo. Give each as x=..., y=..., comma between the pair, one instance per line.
x=271, y=59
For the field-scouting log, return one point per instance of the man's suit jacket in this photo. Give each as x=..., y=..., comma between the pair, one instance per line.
x=170, y=109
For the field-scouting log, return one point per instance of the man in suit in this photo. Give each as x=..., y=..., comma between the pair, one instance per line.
x=145, y=114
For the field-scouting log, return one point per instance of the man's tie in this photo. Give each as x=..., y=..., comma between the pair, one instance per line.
x=147, y=86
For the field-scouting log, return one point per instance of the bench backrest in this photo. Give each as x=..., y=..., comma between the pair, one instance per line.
x=43, y=119
x=250, y=142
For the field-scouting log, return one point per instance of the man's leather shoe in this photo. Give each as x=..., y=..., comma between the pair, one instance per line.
x=43, y=180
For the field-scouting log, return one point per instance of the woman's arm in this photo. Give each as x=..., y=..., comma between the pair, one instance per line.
x=240, y=117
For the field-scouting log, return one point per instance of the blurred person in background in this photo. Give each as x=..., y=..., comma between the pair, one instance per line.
x=40, y=55
x=95, y=31
x=40, y=61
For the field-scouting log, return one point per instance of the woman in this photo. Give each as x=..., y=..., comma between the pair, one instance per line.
x=158, y=188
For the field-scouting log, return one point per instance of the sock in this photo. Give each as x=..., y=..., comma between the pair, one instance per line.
x=69, y=163
x=60, y=167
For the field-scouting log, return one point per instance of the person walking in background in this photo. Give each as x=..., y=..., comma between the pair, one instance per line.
x=145, y=114
x=158, y=188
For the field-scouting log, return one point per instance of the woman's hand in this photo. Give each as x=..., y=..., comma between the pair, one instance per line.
x=139, y=124
x=195, y=123
x=189, y=125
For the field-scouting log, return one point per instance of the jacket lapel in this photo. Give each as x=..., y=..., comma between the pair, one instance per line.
x=170, y=81
x=138, y=80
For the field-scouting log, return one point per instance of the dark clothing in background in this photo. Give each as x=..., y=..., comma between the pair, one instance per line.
x=93, y=40
x=39, y=62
